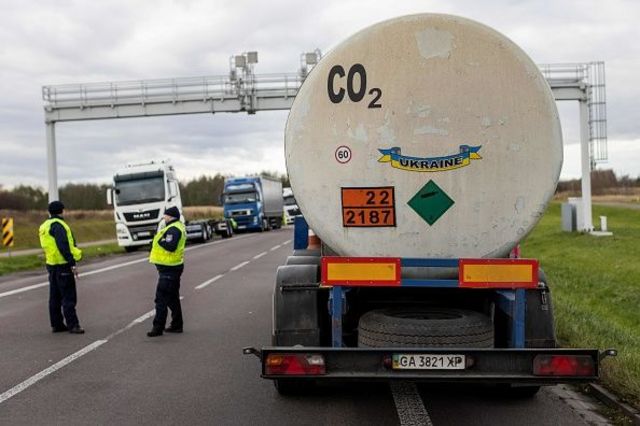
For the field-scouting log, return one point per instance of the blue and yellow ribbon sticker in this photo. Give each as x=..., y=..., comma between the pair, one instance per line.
x=432, y=164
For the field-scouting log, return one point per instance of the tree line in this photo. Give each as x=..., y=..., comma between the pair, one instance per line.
x=206, y=191
x=602, y=182
x=201, y=191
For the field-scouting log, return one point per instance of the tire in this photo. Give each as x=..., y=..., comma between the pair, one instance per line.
x=130, y=249
x=303, y=260
x=425, y=327
x=306, y=252
x=289, y=387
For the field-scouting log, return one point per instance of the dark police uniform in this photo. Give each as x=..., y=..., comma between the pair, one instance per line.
x=167, y=253
x=61, y=255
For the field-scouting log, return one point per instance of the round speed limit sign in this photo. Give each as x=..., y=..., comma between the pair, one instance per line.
x=343, y=154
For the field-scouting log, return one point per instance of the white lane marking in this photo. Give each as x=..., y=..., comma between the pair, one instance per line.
x=58, y=365
x=212, y=280
x=258, y=256
x=140, y=319
x=409, y=405
x=240, y=265
x=286, y=242
x=44, y=373
x=274, y=248
x=93, y=346
x=117, y=266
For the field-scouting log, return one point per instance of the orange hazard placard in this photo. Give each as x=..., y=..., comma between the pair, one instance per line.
x=368, y=207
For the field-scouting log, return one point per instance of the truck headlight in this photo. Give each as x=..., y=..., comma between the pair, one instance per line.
x=121, y=230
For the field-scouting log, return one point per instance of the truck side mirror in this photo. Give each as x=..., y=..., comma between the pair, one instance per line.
x=173, y=192
x=109, y=196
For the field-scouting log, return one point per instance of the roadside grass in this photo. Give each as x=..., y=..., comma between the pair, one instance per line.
x=87, y=225
x=595, y=284
x=36, y=261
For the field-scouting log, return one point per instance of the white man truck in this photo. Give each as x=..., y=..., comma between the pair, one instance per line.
x=421, y=151
x=291, y=209
x=140, y=194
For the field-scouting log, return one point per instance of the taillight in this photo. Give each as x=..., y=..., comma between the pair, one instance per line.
x=295, y=364
x=563, y=365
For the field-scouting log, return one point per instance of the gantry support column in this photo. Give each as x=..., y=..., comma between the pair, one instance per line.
x=587, y=221
x=52, y=168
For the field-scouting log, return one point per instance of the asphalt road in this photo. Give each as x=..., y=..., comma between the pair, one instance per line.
x=115, y=374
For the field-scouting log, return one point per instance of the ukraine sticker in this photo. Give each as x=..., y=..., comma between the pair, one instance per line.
x=430, y=164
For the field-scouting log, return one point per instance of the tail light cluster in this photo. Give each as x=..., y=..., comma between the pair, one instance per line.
x=294, y=364
x=563, y=365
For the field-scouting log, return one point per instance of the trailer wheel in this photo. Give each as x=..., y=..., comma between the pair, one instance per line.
x=289, y=387
x=425, y=327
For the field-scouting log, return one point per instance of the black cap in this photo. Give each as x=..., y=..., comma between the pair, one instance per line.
x=173, y=212
x=56, y=207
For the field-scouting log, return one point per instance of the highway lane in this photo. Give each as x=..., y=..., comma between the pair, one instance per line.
x=200, y=376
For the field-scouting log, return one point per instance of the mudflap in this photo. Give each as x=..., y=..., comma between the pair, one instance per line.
x=296, y=306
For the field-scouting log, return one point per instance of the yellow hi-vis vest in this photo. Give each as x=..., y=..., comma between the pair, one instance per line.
x=51, y=253
x=160, y=256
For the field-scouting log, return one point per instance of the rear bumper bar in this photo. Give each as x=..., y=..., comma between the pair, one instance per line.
x=482, y=366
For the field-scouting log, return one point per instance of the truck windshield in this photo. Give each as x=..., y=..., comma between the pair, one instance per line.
x=240, y=197
x=289, y=201
x=138, y=191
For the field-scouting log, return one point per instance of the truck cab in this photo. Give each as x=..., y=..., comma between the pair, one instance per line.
x=291, y=209
x=254, y=203
x=140, y=194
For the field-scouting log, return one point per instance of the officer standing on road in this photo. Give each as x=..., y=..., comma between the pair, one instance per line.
x=61, y=255
x=167, y=253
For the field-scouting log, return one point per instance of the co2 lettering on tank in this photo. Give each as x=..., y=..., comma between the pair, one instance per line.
x=341, y=83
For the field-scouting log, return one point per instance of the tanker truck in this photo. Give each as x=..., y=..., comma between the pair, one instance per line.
x=421, y=150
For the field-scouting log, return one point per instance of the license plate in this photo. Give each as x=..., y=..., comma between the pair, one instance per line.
x=144, y=234
x=241, y=226
x=428, y=362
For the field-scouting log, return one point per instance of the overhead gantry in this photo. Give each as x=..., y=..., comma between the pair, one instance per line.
x=244, y=91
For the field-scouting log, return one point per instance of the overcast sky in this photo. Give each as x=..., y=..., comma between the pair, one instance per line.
x=53, y=42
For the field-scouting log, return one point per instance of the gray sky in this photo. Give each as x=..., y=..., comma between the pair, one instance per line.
x=51, y=42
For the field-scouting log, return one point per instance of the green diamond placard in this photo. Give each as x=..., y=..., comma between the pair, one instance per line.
x=430, y=202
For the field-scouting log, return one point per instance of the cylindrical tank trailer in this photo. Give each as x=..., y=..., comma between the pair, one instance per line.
x=427, y=136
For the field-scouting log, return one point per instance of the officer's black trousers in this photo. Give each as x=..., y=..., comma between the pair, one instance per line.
x=168, y=296
x=62, y=296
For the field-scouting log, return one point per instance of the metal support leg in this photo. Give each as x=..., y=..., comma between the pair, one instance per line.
x=300, y=233
x=52, y=166
x=336, y=316
x=514, y=304
x=518, y=327
x=585, y=161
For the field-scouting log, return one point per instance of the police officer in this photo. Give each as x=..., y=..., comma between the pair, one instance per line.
x=61, y=255
x=167, y=253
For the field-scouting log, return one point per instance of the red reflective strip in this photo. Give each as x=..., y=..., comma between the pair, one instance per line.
x=362, y=262
x=517, y=282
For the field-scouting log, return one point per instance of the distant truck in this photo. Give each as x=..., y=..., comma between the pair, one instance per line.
x=421, y=151
x=140, y=194
x=291, y=209
x=254, y=203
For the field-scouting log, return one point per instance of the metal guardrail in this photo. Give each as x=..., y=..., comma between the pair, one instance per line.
x=174, y=90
